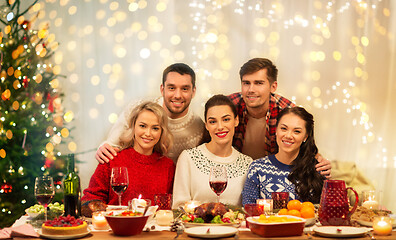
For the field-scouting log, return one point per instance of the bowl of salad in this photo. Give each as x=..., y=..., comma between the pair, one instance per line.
x=126, y=223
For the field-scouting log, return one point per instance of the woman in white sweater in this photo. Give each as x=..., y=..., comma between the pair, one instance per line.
x=193, y=165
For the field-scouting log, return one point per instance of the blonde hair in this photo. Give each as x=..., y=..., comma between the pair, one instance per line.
x=127, y=138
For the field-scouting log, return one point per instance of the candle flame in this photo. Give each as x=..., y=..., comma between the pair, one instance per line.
x=140, y=196
x=382, y=223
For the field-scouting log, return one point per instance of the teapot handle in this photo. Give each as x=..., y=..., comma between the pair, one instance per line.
x=356, y=201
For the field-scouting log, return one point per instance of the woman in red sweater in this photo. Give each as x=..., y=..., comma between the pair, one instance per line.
x=144, y=143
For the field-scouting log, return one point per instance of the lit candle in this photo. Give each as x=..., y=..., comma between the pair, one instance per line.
x=138, y=204
x=99, y=221
x=382, y=225
x=164, y=217
x=191, y=205
x=370, y=204
x=266, y=204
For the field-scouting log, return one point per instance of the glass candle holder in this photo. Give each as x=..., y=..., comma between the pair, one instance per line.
x=280, y=199
x=382, y=225
x=371, y=199
x=99, y=221
x=266, y=204
x=252, y=210
x=164, y=217
x=139, y=205
x=163, y=200
x=191, y=205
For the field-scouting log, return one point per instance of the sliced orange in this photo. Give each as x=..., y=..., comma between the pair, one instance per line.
x=294, y=205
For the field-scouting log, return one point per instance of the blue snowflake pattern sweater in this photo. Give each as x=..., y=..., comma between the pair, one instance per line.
x=267, y=175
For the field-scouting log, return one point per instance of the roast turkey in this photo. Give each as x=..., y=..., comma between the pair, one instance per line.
x=92, y=206
x=208, y=211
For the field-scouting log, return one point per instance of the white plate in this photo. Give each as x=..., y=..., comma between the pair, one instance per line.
x=116, y=207
x=370, y=224
x=331, y=231
x=192, y=224
x=80, y=235
x=214, y=232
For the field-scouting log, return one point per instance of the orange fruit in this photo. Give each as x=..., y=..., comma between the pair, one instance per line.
x=283, y=211
x=294, y=212
x=307, y=204
x=294, y=205
x=307, y=212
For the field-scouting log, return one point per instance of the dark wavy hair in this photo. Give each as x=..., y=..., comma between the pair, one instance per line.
x=307, y=181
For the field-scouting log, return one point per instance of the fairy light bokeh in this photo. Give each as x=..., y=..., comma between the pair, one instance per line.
x=335, y=58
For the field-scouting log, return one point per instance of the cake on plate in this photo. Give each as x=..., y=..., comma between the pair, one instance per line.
x=64, y=226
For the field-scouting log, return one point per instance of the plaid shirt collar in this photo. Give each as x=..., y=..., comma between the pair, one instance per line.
x=276, y=104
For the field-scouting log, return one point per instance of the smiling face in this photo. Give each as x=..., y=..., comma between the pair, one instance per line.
x=290, y=134
x=221, y=123
x=256, y=90
x=177, y=92
x=147, y=132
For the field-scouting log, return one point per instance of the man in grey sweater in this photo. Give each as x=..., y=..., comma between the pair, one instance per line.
x=177, y=90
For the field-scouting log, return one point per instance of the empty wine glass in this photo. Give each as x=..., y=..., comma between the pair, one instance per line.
x=119, y=181
x=44, y=191
x=218, y=180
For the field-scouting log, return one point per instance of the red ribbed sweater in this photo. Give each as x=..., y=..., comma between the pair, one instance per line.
x=148, y=175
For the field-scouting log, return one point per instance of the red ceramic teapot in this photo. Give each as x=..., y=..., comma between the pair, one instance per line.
x=334, y=204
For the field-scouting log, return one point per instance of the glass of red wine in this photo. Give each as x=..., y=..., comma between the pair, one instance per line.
x=44, y=191
x=218, y=180
x=119, y=181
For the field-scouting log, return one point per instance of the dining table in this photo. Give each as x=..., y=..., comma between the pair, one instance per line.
x=242, y=233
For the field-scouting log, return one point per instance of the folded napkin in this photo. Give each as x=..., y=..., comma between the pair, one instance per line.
x=25, y=230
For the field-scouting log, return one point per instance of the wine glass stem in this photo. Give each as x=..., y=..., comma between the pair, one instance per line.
x=45, y=212
x=119, y=199
x=218, y=198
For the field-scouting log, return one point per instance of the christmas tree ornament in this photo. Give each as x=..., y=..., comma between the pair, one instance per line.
x=26, y=25
x=6, y=188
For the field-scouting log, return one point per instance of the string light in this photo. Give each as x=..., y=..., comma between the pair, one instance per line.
x=205, y=44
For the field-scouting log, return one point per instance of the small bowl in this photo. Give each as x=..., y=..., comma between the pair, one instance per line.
x=32, y=214
x=310, y=221
x=279, y=229
x=126, y=225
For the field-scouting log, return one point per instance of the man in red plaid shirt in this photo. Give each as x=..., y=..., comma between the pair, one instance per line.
x=258, y=107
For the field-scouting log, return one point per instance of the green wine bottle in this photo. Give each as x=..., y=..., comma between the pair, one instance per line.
x=72, y=190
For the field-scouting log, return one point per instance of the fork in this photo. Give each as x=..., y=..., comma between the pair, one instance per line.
x=179, y=232
x=371, y=235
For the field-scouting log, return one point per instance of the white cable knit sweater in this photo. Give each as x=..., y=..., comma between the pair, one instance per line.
x=187, y=131
x=192, y=176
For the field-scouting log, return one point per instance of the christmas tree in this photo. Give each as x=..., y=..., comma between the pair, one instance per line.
x=31, y=112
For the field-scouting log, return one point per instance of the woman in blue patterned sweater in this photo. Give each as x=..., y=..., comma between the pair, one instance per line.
x=292, y=169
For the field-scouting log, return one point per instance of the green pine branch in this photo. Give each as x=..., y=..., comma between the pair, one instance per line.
x=26, y=121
